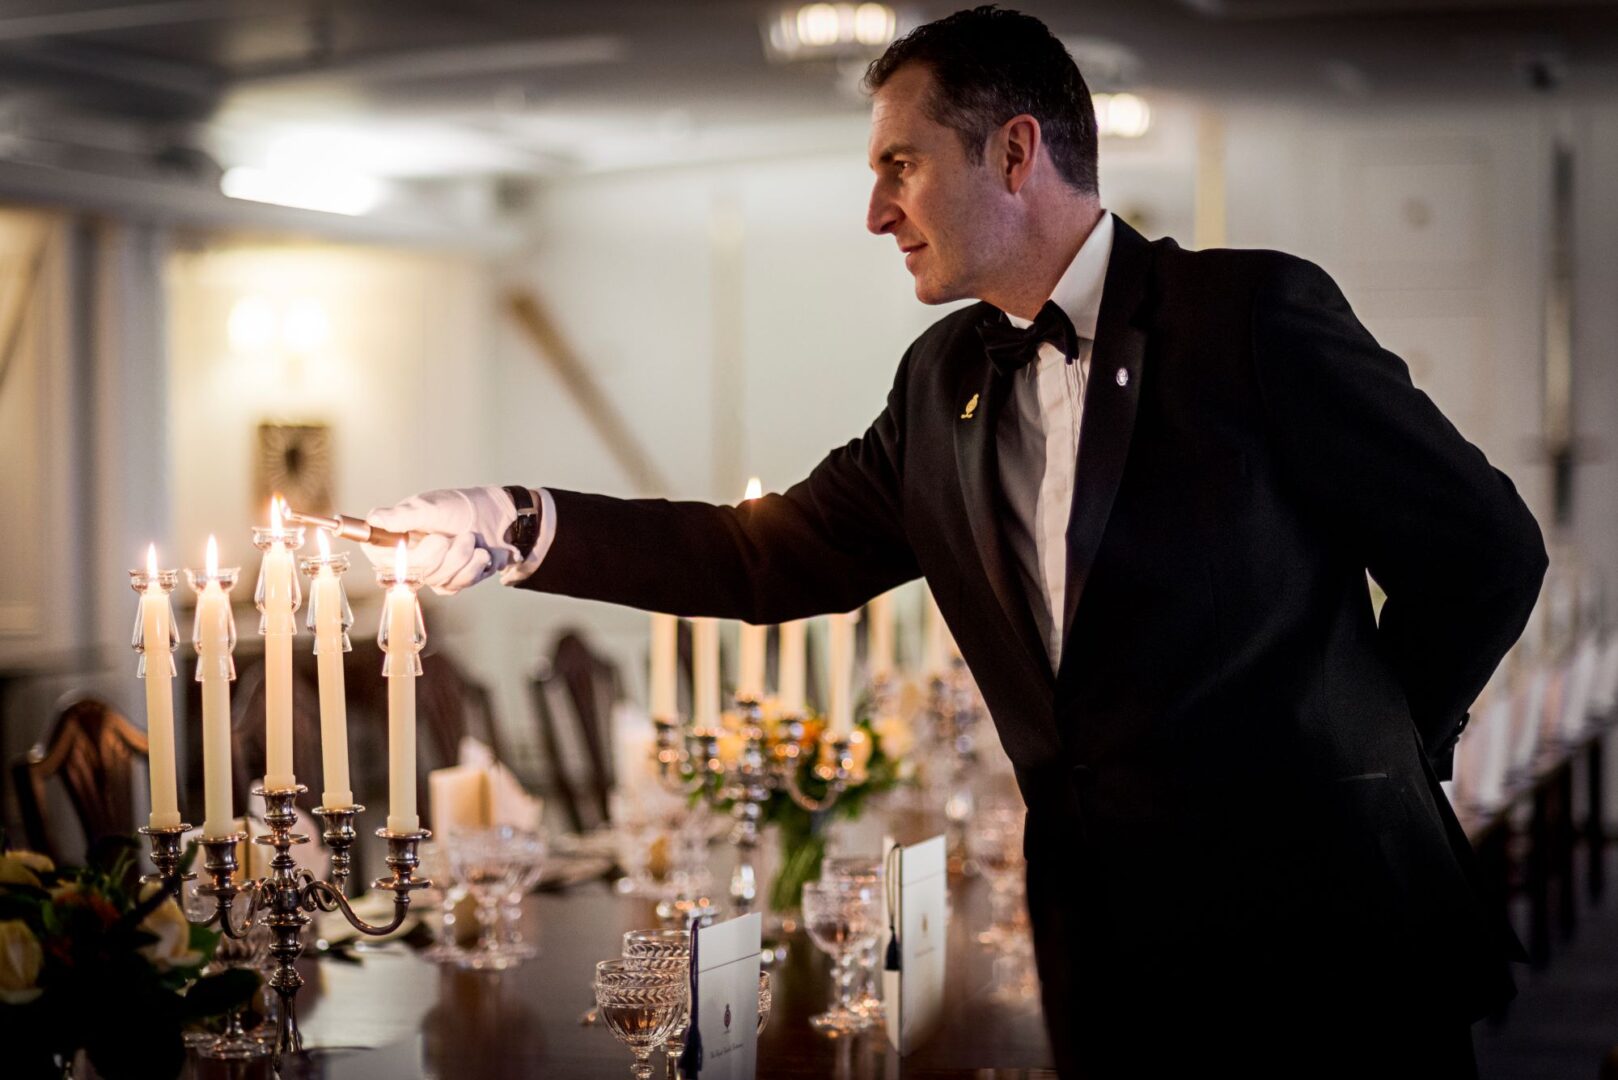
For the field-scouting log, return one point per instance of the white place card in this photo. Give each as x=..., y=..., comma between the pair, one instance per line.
x=914, y=993
x=727, y=997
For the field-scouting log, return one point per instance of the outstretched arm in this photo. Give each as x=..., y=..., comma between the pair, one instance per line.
x=829, y=543
x=1443, y=532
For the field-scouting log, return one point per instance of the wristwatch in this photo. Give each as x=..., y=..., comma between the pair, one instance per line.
x=523, y=533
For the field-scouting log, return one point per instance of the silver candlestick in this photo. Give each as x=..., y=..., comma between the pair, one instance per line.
x=284, y=898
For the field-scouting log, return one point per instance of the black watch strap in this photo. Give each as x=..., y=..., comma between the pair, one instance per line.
x=524, y=532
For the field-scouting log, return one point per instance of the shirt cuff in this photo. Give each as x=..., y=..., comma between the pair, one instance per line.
x=511, y=575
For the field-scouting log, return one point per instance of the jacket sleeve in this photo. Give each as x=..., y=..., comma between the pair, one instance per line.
x=828, y=544
x=1444, y=533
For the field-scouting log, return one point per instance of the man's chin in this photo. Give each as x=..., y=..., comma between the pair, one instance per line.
x=931, y=293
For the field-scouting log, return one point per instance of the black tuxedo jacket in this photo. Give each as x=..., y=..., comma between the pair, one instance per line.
x=1236, y=764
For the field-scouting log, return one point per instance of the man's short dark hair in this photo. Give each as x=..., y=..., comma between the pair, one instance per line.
x=991, y=64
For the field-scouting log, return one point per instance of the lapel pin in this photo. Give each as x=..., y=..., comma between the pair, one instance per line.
x=1122, y=376
x=970, y=407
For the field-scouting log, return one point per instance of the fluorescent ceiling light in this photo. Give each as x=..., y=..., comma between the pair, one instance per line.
x=306, y=189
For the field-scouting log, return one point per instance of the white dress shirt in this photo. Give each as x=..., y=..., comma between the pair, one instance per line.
x=1037, y=439
x=1037, y=443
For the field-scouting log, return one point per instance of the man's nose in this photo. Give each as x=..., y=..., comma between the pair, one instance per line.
x=882, y=215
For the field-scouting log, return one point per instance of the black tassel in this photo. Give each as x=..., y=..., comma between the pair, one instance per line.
x=691, y=1057
x=891, y=869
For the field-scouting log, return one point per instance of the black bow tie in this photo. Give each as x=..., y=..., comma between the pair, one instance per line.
x=1010, y=348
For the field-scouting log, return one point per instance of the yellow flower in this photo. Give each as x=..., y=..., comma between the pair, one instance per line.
x=13, y=871
x=896, y=737
x=172, y=948
x=20, y=961
x=39, y=864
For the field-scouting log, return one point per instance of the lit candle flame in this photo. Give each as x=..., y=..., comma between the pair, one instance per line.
x=212, y=562
x=325, y=545
x=151, y=562
x=401, y=564
x=275, y=512
x=754, y=489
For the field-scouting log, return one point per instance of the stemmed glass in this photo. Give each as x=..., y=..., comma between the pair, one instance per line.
x=448, y=894
x=666, y=952
x=995, y=840
x=639, y=1007
x=863, y=870
x=528, y=851
x=841, y=917
x=482, y=860
x=234, y=1043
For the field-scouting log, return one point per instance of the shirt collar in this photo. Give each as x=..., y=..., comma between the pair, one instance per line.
x=1078, y=292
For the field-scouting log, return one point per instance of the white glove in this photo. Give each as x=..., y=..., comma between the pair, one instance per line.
x=465, y=541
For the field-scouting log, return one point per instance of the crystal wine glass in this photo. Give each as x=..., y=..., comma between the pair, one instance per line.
x=528, y=851
x=446, y=894
x=995, y=840
x=667, y=952
x=841, y=917
x=639, y=1007
x=482, y=860
x=863, y=870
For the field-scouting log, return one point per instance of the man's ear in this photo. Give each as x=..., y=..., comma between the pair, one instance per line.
x=1016, y=146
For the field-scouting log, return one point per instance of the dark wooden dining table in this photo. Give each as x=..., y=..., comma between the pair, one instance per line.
x=393, y=1014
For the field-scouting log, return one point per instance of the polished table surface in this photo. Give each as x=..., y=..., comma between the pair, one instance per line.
x=393, y=1014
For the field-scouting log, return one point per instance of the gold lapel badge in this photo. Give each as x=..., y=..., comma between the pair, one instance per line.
x=970, y=406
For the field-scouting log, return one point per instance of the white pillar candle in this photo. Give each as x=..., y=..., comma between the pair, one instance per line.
x=790, y=689
x=705, y=673
x=840, y=647
x=880, y=641
x=750, y=662
x=155, y=640
x=330, y=618
x=663, y=698
x=277, y=597
x=214, y=637
x=401, y=636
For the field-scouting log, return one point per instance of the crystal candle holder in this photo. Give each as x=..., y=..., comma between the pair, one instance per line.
x=266, y=538
x=142, y=581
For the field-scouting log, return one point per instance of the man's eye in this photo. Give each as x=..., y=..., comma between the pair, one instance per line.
x=901, y=166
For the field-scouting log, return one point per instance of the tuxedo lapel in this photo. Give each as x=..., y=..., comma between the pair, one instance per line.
x=1112, y=396
x=981, y=395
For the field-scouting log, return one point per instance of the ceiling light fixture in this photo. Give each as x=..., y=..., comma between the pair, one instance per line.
x=1124, y=116
x=820, y=31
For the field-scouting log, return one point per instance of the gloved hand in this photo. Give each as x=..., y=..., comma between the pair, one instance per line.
x=465, y=541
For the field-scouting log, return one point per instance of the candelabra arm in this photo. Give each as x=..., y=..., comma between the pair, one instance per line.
x=225, y=903
x=836, y=775
x=328, y=898
x=809, y=802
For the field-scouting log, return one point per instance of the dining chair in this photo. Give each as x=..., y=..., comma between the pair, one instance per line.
x=94, y=754
x=574, y=694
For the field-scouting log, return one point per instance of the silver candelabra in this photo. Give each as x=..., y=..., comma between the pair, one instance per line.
x=285, y=898
x=689, y=761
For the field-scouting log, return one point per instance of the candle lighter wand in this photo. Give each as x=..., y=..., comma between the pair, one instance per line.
x=352, y=528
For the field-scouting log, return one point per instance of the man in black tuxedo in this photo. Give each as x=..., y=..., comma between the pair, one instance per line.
x=1145, y=485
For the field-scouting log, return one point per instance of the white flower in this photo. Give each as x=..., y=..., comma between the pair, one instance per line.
x=172, y=948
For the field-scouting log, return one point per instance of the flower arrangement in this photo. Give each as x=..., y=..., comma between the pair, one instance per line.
x=878, y=747
x=93, y=961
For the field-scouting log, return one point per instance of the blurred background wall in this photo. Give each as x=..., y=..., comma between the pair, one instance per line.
x=684, y=209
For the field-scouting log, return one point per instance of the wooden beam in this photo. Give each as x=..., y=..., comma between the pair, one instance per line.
x=546, y=337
